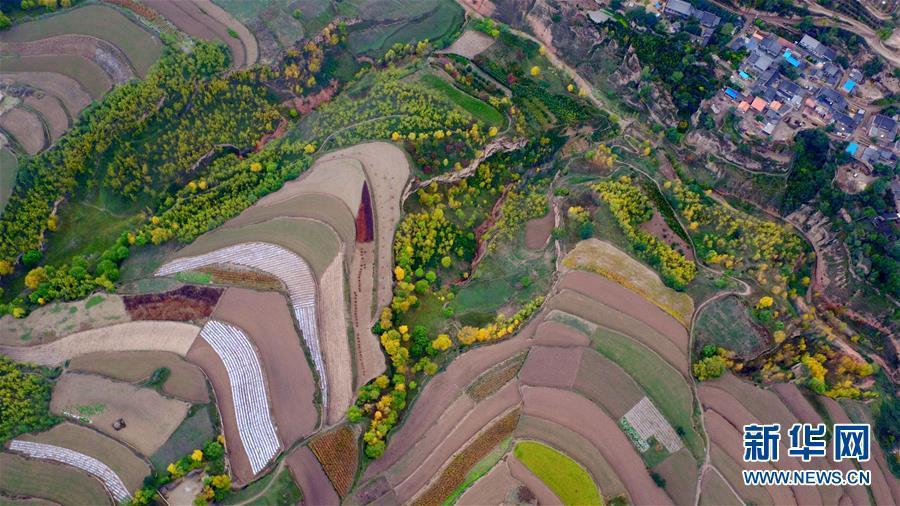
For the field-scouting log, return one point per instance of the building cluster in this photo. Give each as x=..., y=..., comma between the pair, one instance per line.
x=783, y=81
x=681, y=11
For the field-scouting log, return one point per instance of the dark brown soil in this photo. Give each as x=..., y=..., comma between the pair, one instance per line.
x=551, y=367
x=538, y=231
x=317, y=490
x=188, y=303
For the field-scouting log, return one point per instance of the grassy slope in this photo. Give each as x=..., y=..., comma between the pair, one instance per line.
x=282, y=491
x=58, y=483
x=565, y=477
x=477, y=108
x=9, y=166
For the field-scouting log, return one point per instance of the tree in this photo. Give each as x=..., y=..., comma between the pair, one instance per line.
x=709, y=368
x=31, y=258
x=535, y=71
x=442, y=342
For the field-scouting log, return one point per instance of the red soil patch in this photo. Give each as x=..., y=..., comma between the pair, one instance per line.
x=604, y=382
x=537, y=232
x=553, y=333
x=580, y=415
x=551, y=367
x=658, y=227
x=52, y=110
x=492, y=381
x=203, y=355
x=266, y=319
x=187, y=303
x=317, y=490
x=616, y=296
x=432, y=402
x=279, y=132
x=306, y=104
x=365, y=226
x=190, y=19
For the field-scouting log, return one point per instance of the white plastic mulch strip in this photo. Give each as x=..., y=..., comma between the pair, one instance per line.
x=649, y=422
x=282, y=263
x=248, y=389
x=90, y=465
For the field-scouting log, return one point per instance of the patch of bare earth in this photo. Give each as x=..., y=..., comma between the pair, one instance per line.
x=188, y=17
x=187, y=303
x=186, y=381
x=658, y=227
x=53, y=112
x=266, y=318
x=492, y=488
x=108, y=57
x=470, y=44
x=335, y=345
x=26, y=128
x=51, y=322
x=313, y=481
x=247, y=39
x=537, y=232
x=72, y=95
x=147, y=418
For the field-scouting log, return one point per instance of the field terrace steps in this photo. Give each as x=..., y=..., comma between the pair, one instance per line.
x=248, y=389
x=111, y=481
x=282, y=263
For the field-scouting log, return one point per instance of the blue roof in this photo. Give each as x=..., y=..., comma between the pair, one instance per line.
x=744, y=74
x=849, y=85
x=852, y=147
x=790, y=59
x=731, y=93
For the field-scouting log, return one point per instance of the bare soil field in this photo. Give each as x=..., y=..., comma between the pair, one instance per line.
x=187, y=303
x=537, y=487
x=130, y=468
x=66, y=89
x=551, y=366
x=266, y=318
x=681, y=472
x=317, y=206
x=51, y=322
x=493, y=379
x=537, y=232
x=412, y=474
x=552, y=333
x=334, y=342
x=340, y=177
x=175, y=337
x=577, y=447
x=470, y=44
x=203, y=355
x=370, y=361
x=89, y=76
x=314, y=241
x=56, y=483
x=605, y=259
x=52, y=111
x=731, y=471
x=658, y=227
x=149, y=417
x=621, y=299
x=138, y=43
x=387, y=171
x=432, y=403
x=311, y=478
x=714, y=491
x=26, y=128
x=578, y=414
x=190, y=19
x=244, y=277
x=338, y=453
x=492, y=488
x=186, y=381
x=763, y=404
x=604, y=382
x=108, y=57
x=584, y=307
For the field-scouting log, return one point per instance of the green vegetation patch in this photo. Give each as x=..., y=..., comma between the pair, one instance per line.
x=565, y=477
x=727, y=323
x=193, y=433
x=477, y=108
x=25, y=394
x=9, y=167
x=53, y=482
x=275, y=489
x=478, y=470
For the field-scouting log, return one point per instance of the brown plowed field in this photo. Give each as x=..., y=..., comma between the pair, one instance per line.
x=604, y=382
x=731, y=470
x=884, y=485
x=186, y=381
x=552, y=333
x=149, y=417
x=26, y=128
x=130, y=468
x=56, y=483
x=714, y=491
x=433, y=400
x=681, y=472
x=53, y=112
x=88, y=74
x=578, y=414
x=308, y=474
x=251, y=49
x=551, y=367
x=194, y=22
x=575, y=446
x=333, y=340
x=537, y=232
x=187, y=303
x=492, y=488
x=318, y=206
x=763, y=404
x=622, y=299
x=203, y=355
x=370, y=361
x=792, y=398
x=266, y=319
x=589, y=309
x=728, y=439
x=339, y=455
x=66, y=89
x=493, y=380
x=414, y=471
x=108, y=57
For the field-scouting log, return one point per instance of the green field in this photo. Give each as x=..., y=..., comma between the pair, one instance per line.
x=727, y=322
x=477, y=108
x=282, y=491
x=565, y=477
x=664, y=385
x=435, y=20
x=88, y=74
x=78, y=216
x=54, y=482
x=193, y=432
x=478, y=470
x=103, y=22
x=9, y=167
x=276, y=16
